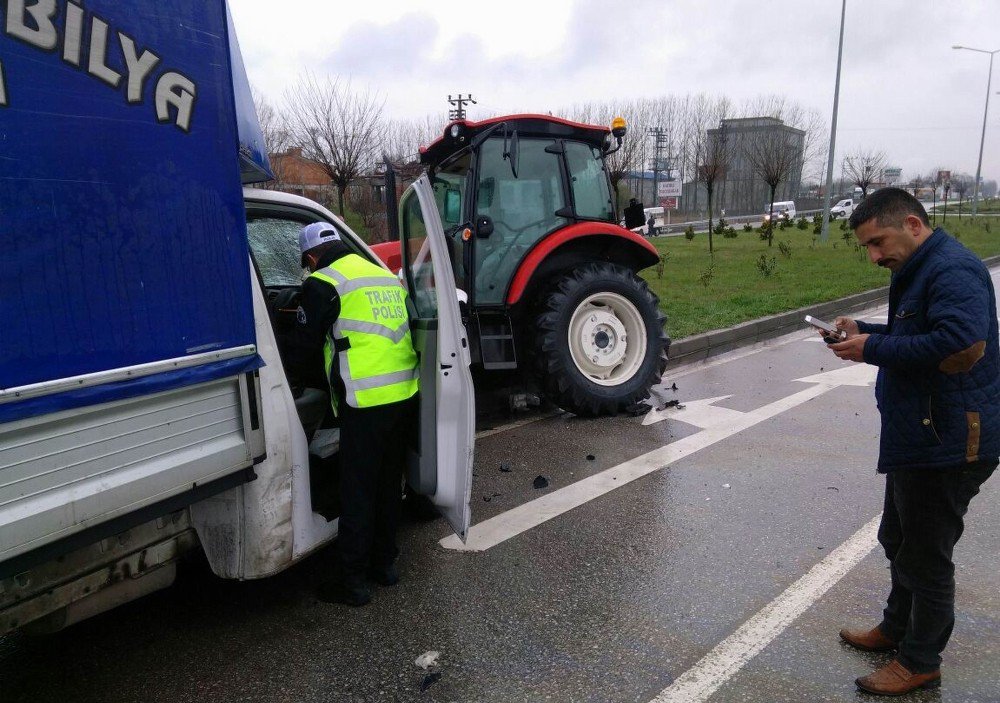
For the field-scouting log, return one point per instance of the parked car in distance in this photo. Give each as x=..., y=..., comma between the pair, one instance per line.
x=842, y=209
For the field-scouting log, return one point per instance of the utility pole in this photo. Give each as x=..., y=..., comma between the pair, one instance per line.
x=459, y=104
x=660, y=143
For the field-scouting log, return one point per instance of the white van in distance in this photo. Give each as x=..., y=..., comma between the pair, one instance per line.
x=784, y=210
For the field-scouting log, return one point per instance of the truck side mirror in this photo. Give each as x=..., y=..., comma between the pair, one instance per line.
x=484, y=226
x=511, y=151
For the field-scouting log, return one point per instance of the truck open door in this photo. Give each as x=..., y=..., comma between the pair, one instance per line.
x=441, y=465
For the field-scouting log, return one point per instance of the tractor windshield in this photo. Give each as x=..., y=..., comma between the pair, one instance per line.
x=523, y=210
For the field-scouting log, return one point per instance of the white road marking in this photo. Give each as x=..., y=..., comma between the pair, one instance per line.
x=524, y=517
x=700, y=413
x=699, y=682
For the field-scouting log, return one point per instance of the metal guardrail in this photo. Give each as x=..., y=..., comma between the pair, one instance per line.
x=675, y=228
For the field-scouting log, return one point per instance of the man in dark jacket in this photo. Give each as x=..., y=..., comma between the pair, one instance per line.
x=938, y=392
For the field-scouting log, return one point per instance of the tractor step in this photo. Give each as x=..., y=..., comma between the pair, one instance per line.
x=496, y=341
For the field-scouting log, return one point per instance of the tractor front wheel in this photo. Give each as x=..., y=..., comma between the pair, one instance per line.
x=599, y=340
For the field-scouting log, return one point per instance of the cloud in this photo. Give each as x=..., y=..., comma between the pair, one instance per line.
x=377, y=51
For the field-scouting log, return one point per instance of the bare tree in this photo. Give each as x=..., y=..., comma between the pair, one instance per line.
x=916, y=183
x=961, y=183
x=773, y=157
x=863, y=168
x=716, y=152
x=275, y=131
x=337, y=127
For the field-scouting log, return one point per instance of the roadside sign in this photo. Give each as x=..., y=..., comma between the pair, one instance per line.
x=668, y=203
x=669, y=189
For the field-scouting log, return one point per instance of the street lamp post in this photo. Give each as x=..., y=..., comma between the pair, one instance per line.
x=825, y=227
x=986, y=110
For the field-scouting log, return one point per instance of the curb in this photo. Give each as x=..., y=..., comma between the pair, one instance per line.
x=700, y=347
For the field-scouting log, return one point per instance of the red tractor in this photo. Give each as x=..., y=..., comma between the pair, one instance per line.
x=550, y=277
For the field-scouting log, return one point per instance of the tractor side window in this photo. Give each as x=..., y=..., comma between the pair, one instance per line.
x=591, y=192
x=523, y=210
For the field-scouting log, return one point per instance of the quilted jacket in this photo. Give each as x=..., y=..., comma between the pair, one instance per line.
x=938, y=387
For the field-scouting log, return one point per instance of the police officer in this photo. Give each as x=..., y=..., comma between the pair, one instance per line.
x=354, y=312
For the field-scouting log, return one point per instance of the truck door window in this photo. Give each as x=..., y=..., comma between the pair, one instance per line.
x=522, y=209
x=417, y=261
x=589, y=183
x=275, y=245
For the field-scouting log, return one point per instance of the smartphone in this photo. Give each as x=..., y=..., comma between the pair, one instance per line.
x=831, y=334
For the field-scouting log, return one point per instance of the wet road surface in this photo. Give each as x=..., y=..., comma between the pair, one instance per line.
x=704, y=553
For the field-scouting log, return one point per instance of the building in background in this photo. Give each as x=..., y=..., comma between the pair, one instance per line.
x=742, y=191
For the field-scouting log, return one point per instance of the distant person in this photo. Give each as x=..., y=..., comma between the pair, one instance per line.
x=938, y=392
x=353, y=327
x=650, y=224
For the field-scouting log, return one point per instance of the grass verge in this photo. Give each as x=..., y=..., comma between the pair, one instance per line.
x=745, y=279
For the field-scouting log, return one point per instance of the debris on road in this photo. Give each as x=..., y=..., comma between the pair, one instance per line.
x=430, y=680
x=591, y=457
x=505, y=467
x=487, y=499
x=726, y=485
x=428, y=659
x=540, y=482
x=673, y=387
x=833, y=488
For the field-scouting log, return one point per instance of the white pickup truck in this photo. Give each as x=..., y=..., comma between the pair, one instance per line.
x=144, y=407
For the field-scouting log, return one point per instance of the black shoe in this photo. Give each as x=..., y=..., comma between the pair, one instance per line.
x=384, y=575
x=339, y=592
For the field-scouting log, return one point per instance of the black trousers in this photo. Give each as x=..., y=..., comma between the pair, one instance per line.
x=373, y=444
x=921, y=523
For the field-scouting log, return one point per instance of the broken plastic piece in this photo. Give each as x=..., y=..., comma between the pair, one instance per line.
x=540, y=482
x=428, y=659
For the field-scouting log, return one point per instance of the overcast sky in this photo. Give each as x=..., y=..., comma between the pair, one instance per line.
x=903, y=89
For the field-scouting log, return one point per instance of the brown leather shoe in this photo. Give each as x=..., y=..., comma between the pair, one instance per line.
x=894, y=679
x=869, y=640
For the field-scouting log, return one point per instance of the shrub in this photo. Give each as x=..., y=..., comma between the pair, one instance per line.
x=720, y=226
x=730, y=233
x=785, y=248
x=803, y=223
x=689, y=232
x=766, y=265
x=661, y=263
x=748, y=227
x=707, y=275
x=784, y=224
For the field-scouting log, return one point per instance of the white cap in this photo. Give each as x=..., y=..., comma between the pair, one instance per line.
x=311, y=236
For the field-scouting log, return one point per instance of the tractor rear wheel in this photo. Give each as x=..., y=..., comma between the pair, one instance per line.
x=599, y=340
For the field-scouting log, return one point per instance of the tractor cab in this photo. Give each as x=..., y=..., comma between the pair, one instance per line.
x=505, y=184
x=549, y=277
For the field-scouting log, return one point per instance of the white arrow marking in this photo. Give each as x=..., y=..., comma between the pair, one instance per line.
x=700, y=413
x=502, y=527
x=853, y=375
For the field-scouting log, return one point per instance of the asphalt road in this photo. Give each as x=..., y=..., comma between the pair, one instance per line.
x=704, y=553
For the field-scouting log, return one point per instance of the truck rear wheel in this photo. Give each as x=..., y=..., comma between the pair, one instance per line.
x=599, y=340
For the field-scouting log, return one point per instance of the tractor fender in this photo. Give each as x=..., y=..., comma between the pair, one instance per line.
x=576, y=244
x=390, y=254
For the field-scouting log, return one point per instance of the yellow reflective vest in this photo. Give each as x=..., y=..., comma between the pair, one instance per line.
x=371, y=337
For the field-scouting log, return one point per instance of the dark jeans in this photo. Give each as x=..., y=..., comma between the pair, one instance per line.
x=921, y=523
x=373, y=444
